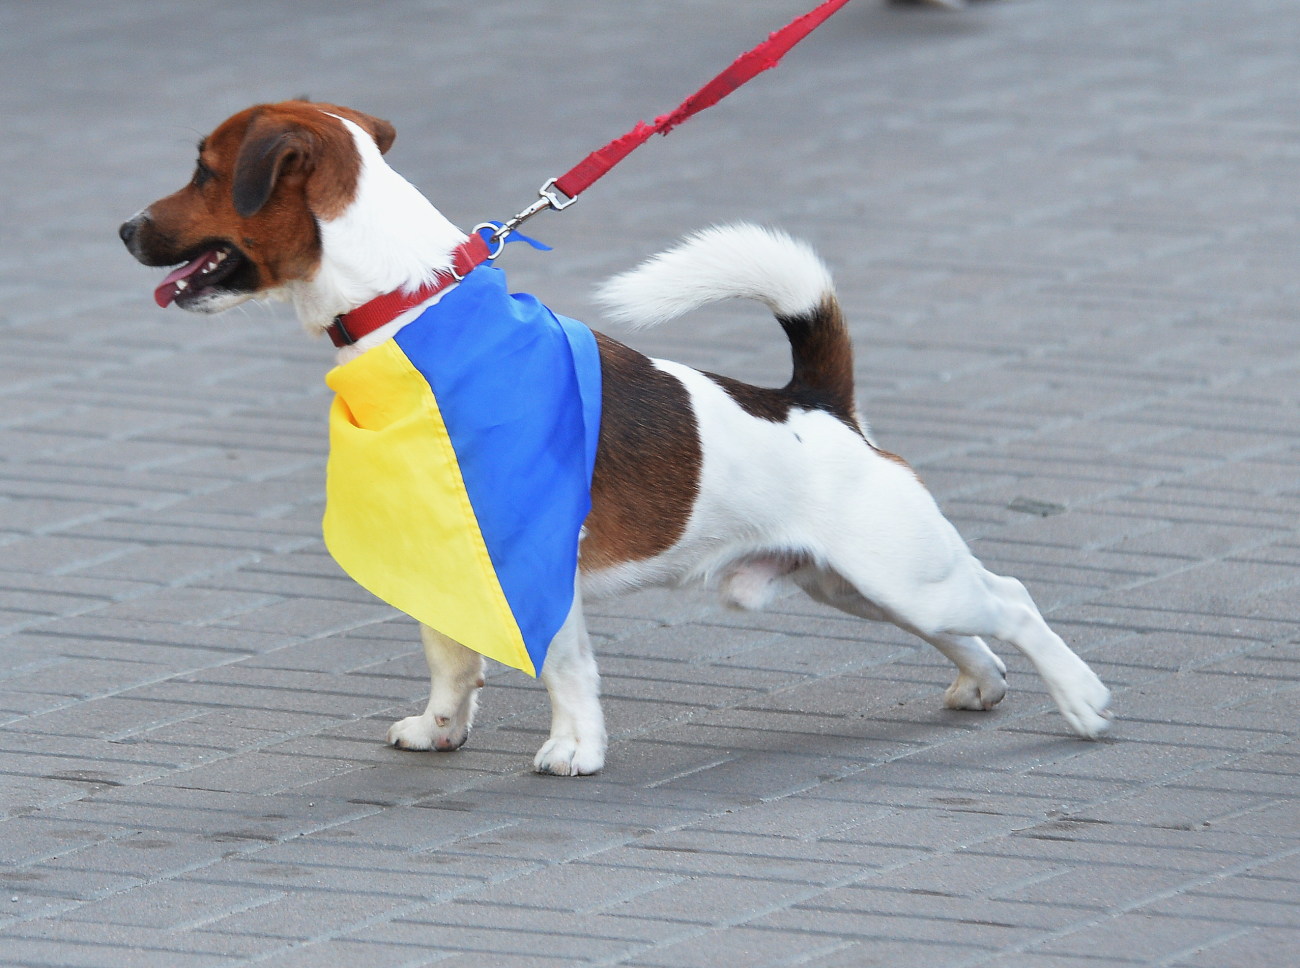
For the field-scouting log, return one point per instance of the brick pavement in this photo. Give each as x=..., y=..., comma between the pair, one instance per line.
x=1066, y=236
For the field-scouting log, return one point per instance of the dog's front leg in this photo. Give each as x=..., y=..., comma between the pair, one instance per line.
x=455, y=677
x=576, y=746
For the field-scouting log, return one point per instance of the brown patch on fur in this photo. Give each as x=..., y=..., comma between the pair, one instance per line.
x=647, y=472
x=822, y=377
x=897, y=460
x=765, y=403
x=823, y=359
x=263, y=178
x=775, y=405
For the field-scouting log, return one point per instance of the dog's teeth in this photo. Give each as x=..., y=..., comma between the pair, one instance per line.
x=182, y=284
x=211, y=265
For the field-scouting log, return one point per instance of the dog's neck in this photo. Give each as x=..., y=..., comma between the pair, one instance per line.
x=390, y=237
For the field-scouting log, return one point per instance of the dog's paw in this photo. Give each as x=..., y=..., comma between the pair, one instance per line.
x=427, y=732
x=1084, y=704
x=566, y=756
x=969, y=692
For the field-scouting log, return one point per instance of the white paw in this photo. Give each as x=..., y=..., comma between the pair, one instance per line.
x=1083, y=702
x=425, y=732
x=968, y=692
x=567, y=756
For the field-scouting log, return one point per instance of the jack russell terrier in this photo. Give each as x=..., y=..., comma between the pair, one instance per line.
x=697, y=477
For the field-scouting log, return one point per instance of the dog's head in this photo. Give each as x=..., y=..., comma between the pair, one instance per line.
x=247, y=223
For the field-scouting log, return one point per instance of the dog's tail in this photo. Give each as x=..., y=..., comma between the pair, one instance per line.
x=754, y=263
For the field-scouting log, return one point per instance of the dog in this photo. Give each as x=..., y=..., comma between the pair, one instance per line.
x=697, y=477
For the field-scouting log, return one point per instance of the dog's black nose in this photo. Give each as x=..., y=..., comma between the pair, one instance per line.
x=127, y=230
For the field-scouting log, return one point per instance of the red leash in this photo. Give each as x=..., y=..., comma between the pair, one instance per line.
x=744, y=68
x=559, y=193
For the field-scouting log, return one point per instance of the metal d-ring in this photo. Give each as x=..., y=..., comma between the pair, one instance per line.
x=549, y=197
x=497, y=238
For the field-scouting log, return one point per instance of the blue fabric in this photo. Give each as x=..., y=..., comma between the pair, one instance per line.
x=514, y=236
x=519, y=391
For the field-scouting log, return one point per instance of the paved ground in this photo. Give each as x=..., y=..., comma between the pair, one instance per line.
x=1066, y=234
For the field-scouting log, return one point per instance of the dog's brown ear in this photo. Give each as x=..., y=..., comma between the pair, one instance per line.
x=308, y=151
x=268, y=150
x=299, y=143
x=379, y=129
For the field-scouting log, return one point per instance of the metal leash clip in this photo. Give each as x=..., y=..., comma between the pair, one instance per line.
x=549, y=197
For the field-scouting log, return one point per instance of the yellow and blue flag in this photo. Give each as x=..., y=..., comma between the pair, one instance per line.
x=460, y=467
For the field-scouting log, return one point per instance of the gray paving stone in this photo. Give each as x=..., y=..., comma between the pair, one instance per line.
x=97, y=954
x=1251, y=946
x=1145, y=937
x=327, y=951
x=972, y=936
x=851, y=953
x=1063, y=234
x=157, y=943
x=488, y=944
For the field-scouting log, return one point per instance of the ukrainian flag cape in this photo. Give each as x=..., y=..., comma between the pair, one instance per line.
x=460, y=466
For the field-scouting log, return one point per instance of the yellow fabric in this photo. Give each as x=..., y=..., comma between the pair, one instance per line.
x=398, y=518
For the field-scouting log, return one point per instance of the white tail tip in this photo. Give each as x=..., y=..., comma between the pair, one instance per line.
x=722, y=262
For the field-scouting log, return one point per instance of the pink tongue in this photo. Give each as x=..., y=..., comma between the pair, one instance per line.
x=166, y=293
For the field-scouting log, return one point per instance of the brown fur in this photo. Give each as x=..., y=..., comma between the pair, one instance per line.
x=647, y=472
x=822, y=378
x=823, y=360
x=262, y=177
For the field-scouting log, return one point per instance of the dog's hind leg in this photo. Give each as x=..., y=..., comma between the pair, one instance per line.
x=576, y=745
x=1078, y=693
x=455, y=677
x=964, y=601
x=981, y=676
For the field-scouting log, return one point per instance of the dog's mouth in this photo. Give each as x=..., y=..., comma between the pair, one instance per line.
x=200, y=276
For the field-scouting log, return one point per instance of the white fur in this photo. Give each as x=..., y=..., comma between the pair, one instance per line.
x=576, y=745
x=722, y=262
x=389, y=238
x=220, y=300
x=871, y=542
x=455, y=677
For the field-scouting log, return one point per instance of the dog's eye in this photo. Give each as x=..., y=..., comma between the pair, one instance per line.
x=202, y=175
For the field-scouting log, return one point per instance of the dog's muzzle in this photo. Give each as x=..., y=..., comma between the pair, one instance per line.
x=129, y=232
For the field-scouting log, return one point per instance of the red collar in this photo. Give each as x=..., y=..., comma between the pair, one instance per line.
x=350, y=327
x=368, y=317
